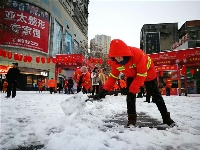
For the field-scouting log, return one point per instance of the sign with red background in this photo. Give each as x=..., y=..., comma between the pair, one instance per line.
x=24, y=25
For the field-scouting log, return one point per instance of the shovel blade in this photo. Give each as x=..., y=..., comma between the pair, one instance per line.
x=74, y=105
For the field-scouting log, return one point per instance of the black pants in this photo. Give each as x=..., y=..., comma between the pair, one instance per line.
x=10, y=88
x=153, y=90
x=83, y=90
x=95, y=88
x=167, y=91
x=70, y=90
x=51, y=90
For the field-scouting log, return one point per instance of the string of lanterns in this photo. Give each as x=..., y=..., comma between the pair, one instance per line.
x=43, y=60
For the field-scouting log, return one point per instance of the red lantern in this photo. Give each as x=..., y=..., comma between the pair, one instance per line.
x=108, y=62
x=54, y=60
x=59, y=60
x=29, y=59
x=192, y=71
x=161, y=73
x=48, y=60
x=4, y=53
x=16, y=56
x=91, y=59
x=184, y=68
x=9, y=55
x=20, y=57
x=25, y=58
x=37, y=59
x=101, y=61
x=43, y=60
x=59, y=70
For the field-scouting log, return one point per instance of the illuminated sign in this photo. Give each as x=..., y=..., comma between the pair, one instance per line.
x=44, y=74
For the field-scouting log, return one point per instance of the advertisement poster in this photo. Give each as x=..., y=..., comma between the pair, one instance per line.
x=24, y=25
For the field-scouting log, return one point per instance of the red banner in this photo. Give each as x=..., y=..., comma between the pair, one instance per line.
x=26, y=26
x=164, y=62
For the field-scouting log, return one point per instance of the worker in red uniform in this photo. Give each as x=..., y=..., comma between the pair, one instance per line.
x=138, y=69
x=82, y=78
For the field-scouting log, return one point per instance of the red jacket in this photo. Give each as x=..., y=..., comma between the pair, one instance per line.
x=85, y=80
x=139, y=66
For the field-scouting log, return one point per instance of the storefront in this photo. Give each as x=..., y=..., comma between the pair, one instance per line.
x=182, y=67
x=29, y=78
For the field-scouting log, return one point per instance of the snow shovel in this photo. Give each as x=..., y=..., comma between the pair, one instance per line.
x=74, y=104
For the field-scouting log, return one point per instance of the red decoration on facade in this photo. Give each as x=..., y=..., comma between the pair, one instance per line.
x=20, y=57
x=54, y=60
x=192, y=71
x=9, y=55
x=101, y=61
x=48, y=60
x=25, y=58
x=65, y=60
x=59, y=70
x=29, y=59
x=161, y=73
x=43, y=60
x=16, y=56
x=108, y=62
x=37, y=59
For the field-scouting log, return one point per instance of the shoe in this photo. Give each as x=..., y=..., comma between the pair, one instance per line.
x=7, y=96
x=132, y=118
x=167, y=119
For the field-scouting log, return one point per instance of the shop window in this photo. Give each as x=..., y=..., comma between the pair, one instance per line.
x=29, y=80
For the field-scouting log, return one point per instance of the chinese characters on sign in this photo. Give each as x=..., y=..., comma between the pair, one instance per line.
x=24, y=25
x=167, y=67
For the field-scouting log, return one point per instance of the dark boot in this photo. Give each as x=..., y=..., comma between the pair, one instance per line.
x=166, y=119
x=132, y=118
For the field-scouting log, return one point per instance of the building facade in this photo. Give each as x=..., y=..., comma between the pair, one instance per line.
x=189, y=35
x=41, y=29
x=155, y=38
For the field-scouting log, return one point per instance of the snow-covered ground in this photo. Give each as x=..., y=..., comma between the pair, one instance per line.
x=37, y=119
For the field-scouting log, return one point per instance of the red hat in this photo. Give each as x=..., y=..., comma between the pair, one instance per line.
x=119, y=48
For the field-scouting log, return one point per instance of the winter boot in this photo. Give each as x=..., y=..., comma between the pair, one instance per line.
x=166, y=119
x=132, y=118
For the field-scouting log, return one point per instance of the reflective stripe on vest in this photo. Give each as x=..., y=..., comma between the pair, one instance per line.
x=111, y=75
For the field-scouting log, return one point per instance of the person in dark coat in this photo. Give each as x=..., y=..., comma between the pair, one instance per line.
x=70, y=85
x=12, y=76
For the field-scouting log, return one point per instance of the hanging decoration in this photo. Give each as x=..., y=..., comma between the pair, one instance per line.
x=54, y=60
x=59, y=69
x=43, y=60
x=16, y=56
x=101, y=61
x=65, y=60
x=9, y=55
x=37, y=59
x=25, y=58
x=20, y=57
x=192, y=71
x=29, y=59
x=183, y=71
x=48, y=60
x=161, y=73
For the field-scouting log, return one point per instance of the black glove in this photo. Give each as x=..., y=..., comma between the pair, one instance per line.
x=101, y=94
x=124, y=91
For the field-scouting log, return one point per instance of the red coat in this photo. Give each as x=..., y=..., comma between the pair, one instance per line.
x=85, y=80
x=139, y=66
